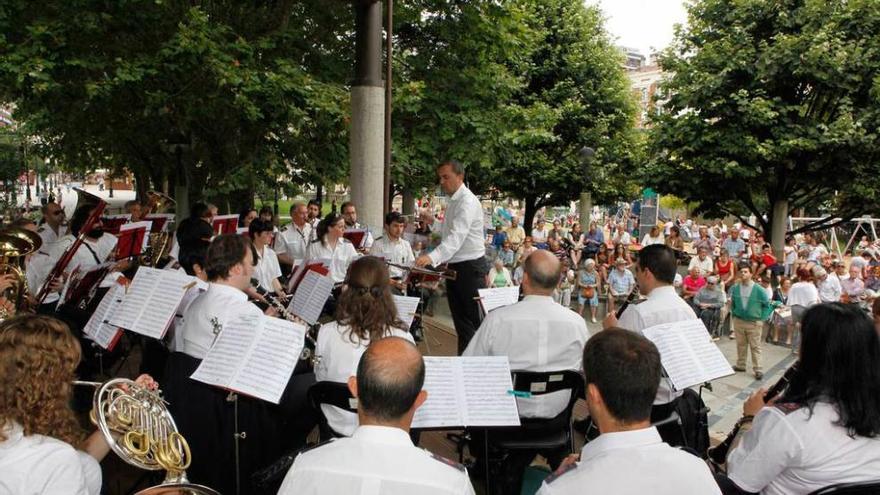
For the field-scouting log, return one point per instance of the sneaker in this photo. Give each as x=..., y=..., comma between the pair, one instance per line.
x=731, y=336
x=716, y=339
x=593, y=320
x=759, y=375
x=739, y=368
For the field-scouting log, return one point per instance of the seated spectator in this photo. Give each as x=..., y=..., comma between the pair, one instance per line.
x=621, y=237
x=365, y=313
x=567, y=282
x=828, y=287
x=621, y=283
x=380, y=457
x=622, y=370
x=593, y=240
x=692, y=284
x=781, y=319
x=725, y=269
x=675, y=241
x=540, y=234
x=555, y=247
x=703, y=261
x=621, y=251
x=852, y=288
x=499, y=237
x=653, y=237
x=704, y=241
x=507, y=255
x=525, y=250
x=764, y=261
x=824, y=429
x=708, y=303
x=499, y=275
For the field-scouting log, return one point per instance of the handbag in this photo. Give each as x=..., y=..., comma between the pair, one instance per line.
x=588, y=292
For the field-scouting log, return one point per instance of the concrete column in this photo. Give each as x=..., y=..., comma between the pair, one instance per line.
x=585, y=206
x=367, y=137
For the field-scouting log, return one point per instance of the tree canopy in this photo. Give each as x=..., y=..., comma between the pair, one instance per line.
x=771, y=106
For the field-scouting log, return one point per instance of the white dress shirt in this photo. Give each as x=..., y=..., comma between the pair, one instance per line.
x=375, y=460
x=791, y=451
x=340, y=354
x=663, y=305
x=706, y=265
x=803, y=294
x=536, y=334
x=294, y=241
x=48, y=235
x=267, y=268
x=222, y=302
x=462, y=231
x=829, y=289
x=41, y=465
x=340, y=257
x=633, y=463
x=622, y=238
x=399, y=252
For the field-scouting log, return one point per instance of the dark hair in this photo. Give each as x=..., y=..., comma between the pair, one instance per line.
x=267, y=209
x=225, y=252
x=675, y=229
x=365, y=304
x=314, y=202
x=457, y=168
x=540, y=277
x=384, y=392
x=131, y=202
x=394, y=217
x=194, y=256
x=660, y=261
x=839, y=353
x=625, y=367
x=244, y=213
x=258, y=226
x=804, y=274
x=78, y=220
x=324, y=226
x=345, y=205
x=199, y=210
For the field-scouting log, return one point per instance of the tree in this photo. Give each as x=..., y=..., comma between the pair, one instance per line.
x=772, y=106
x=574, y=93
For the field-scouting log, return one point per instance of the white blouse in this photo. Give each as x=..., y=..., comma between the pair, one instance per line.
x=340, y=257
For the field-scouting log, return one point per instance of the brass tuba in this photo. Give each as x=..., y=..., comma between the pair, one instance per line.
x=15, y=245
x=159, y=243
x=138, y=427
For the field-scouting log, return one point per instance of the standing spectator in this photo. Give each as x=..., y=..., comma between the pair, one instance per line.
x=780, y=321
x=498, y=238
x=515, y=233
x=499, y=275
x=692, y=284
x=653, y=237
x=708, y=303
x=621, y=237
x=704, y=241
x=588, y=285
x=790, y=253
x=801, y=296
x=593, y=239
x=828, y=287
x=567, y=281
x=736, y=247
x=750, y=307
x=725, y=269
x=702, y=261
x=620, y=284
x=539, y=234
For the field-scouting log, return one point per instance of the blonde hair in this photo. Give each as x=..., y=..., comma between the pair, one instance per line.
x=38, y=360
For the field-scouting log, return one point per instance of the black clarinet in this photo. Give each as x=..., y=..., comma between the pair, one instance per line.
x=717, y=455
x=308, y=352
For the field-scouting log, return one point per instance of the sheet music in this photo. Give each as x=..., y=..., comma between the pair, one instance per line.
x=498, y=297
x=467, y=391
x=161, y=221
x=254, y=355
x=310, y=297
x=147, y=225
x=687, y=353
x=406, y=308
x=151, y=301
x=97, y=328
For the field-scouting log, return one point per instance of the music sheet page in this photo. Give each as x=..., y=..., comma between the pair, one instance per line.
x=268, y=365
x=687, y=353
x=310, y=296
x=406, y=308
x=498, y=297
x=467, y=391
x=151, y=301
x=225, y=357
x=98, y=327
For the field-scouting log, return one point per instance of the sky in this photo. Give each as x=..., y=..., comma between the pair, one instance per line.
x=643, y=24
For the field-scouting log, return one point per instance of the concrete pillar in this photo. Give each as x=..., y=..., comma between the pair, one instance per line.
x=585, y=206
x=367, y=137
x=778, y=225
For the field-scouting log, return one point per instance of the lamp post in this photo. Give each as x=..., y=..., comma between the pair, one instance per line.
x=177, y=144
x=585, y=204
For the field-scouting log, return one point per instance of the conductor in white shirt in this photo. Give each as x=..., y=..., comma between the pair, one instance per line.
x=463, y=248
x=621, y=371
x=536, y=334
x=380, y=457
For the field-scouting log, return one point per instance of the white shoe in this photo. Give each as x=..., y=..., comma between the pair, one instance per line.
x=593, y=320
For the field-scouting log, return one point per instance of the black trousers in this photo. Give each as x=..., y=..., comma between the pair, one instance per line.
x=461, y=294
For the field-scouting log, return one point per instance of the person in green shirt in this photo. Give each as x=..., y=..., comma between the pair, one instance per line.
x=750, y=307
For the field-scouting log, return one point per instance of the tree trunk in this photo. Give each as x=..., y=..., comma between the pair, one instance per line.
x=142, y=185
x=408, y=207
x=531, y=209
x=319, y=193
x=776, y=235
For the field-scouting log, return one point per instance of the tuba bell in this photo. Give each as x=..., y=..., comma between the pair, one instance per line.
x=159, y=243
x=138, y=427
x=15, y=245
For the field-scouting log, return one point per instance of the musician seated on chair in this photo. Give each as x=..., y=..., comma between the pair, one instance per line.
x=96, y=248
x=365, y=313
x=134, y=209
x=825, y=427
x=53, y=225
x=395, y=249
x=537, y=334
x=622, y=371
x=42, y=446
x=329, y=244
x=380, y=457
x=267, y=270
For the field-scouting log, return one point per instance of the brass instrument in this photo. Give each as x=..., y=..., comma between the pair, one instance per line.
x=15, y=245
x=159, y=243
x=444, y=274
x=138, y=427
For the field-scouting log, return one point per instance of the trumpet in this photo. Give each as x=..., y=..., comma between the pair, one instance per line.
x=139, y=429
x=444, y=274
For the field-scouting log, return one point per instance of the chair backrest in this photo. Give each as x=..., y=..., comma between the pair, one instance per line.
x=859, y=488
x=331, y=394
x=538, y=383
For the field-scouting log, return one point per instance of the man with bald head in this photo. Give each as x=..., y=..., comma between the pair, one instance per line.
x=536, y=334
x=380, y=457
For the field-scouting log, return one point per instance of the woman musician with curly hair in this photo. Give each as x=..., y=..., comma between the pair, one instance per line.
x=365, y=313
x=39, y=434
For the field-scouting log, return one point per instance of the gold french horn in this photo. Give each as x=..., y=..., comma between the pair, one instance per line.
x=138, y=427
x=15, y=244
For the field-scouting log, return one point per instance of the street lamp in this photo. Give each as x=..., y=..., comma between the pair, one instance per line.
x=585, y=204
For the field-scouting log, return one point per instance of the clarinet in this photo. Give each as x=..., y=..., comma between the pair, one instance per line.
x=308, y=353
x=717, y=455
